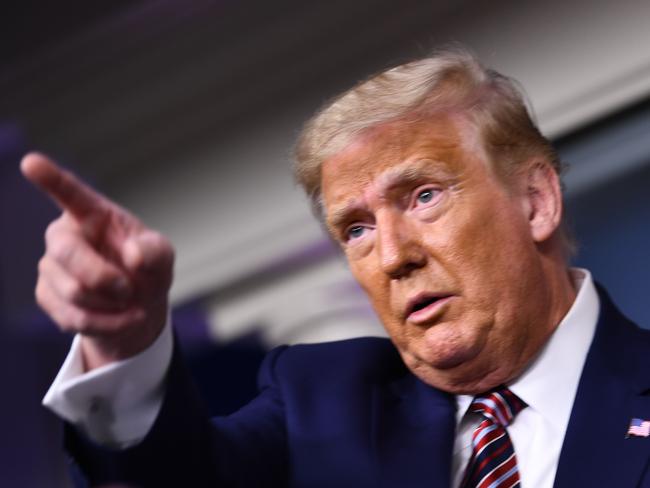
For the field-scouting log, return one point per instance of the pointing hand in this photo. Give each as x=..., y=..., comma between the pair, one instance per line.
x=104, y=274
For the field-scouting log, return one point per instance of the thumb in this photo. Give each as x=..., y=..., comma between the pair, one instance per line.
x=149, y=253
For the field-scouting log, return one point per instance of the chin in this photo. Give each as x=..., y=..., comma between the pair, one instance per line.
x=454, y=368
x=450, y=381
x=447, y=346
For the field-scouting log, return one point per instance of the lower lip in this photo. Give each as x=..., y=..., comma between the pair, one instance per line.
x=430, y=312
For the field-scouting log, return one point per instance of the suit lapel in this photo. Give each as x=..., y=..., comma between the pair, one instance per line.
x=613, y=389
x=413, y=434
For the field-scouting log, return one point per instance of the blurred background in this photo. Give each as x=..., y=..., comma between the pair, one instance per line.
x=185, y=112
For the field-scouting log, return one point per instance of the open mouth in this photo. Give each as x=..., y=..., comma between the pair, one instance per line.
x=424, y=303
x=422, y=306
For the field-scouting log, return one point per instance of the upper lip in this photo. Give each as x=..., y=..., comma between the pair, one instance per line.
x=421, y=300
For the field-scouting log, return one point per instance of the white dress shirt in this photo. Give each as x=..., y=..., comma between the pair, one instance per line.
x=549, y=387
x=118, y=403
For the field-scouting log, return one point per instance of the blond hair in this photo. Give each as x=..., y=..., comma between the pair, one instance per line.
x=451, y=79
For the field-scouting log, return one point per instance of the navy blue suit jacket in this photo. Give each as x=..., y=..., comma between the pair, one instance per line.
x=350, y=414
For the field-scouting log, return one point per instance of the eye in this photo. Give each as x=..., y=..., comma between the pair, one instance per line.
x=426, y=196
x=354, y=232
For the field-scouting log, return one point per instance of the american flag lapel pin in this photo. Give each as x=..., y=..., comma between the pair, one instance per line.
x=638, y=428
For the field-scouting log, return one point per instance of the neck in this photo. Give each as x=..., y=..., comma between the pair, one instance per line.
x=561, y=291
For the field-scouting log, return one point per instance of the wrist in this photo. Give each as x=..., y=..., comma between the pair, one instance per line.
x=100, y=350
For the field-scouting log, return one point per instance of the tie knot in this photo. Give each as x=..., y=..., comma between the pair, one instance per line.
x=499, y=405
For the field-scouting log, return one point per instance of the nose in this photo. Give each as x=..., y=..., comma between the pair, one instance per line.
x=399, y=246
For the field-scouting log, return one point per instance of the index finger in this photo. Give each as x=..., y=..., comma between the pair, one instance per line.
x=65, y=189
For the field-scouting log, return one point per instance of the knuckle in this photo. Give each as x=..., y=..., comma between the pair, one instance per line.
x=40, y=294
x=43, y=266
x=52, y=230
x=94, y=278
x=61, y=248
x=164, y=244
x=159, y=250
x=73, y=292
x=100, y=280
x=55, y=229
x=156, y=237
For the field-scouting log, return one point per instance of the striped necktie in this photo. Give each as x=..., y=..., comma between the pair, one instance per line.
x=493, y=463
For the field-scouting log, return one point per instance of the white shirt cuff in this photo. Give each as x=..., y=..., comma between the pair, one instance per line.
x=115, y=404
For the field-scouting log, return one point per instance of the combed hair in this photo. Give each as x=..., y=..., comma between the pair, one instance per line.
x=452, y=79
x=449, y=80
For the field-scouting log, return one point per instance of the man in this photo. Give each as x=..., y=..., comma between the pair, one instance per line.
x=504, y=366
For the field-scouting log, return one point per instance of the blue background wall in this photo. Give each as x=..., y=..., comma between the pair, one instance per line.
x=608, y=204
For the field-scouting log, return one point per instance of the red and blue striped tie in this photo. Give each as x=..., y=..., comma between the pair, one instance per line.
x=493, y=463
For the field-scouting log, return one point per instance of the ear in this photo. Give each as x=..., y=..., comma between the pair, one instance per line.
x=542, y=200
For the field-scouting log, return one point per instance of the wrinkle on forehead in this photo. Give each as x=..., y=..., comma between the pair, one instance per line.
x=394, y=142
x=392, y=155
x=441, y=139
x=412, y=171
x=397, y=139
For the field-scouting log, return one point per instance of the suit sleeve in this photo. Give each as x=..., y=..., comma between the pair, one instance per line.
x=185, y=448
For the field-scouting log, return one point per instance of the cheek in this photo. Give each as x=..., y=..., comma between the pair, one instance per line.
x=483, y=248
x=446, y=345
x=378, y=291
x=373, y=282
x=493, y=264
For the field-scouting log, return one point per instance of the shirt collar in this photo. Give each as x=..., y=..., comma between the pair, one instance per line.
x=549, y=384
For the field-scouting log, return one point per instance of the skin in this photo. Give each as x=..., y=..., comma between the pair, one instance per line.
x=104, y=274
x=418, y=211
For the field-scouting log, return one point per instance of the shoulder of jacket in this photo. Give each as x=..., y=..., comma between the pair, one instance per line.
x=366, y=357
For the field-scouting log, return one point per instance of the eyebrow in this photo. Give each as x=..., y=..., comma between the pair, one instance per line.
x=337, y=217
x=407, y=173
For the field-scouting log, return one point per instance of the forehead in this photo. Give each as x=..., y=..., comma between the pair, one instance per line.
x=445, y=144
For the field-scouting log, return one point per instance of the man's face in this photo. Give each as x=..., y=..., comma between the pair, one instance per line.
x=442, y=248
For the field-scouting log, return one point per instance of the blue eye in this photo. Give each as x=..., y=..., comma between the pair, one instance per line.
x=425, y=196
x=354, y=232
